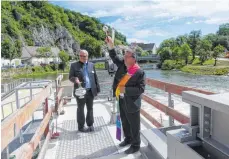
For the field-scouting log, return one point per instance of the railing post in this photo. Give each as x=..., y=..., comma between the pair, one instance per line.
x=6, y=89
x=17, y=99
x=11, y=105
x=2, y=112
x=171, y=105
x=31, y=97
x=45, y=111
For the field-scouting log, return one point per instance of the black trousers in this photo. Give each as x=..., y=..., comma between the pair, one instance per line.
x=130, y=124
x=88, y=100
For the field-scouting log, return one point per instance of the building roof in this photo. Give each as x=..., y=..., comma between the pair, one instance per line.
x=147, y=47
x=31, y=51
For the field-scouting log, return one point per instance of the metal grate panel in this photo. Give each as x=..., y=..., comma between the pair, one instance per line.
x=77, y=145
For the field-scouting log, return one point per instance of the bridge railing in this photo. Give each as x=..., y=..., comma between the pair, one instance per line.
x=11, y=126
x=10, y=107
x=168, y=110
x=30, y=147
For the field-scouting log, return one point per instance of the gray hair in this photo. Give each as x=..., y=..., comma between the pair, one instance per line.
x=84, y=51
x=132, y=51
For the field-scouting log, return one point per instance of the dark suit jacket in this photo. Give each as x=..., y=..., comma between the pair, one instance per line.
x=134, y=87
x=76, y=70
x=121, y=71
x=133, y=92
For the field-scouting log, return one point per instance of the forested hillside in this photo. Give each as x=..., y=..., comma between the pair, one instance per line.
x=40, y=23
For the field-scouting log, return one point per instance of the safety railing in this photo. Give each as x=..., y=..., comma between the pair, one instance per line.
x=12, y=125
x=10, y=107
x=9, y=87
x=44, y=126
x=168, y=110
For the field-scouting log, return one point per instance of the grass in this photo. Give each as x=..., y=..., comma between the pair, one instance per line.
x=206, y=70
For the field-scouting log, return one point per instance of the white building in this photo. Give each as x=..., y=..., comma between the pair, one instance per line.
x=30, y=56
x=7, y=62
x=147, y=47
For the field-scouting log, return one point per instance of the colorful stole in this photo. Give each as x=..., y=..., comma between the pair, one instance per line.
x=130, y=72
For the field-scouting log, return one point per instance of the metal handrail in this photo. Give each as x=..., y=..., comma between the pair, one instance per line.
x=11, y=105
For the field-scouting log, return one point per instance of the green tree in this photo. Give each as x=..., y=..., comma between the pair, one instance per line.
x=64, y=57
x=185, y=52
x=44, y=52
x=18, y=47
x=223, y=29
x=223, y=40
x=165, y=54
x=212, y=38
x=176, y=53
x=171, y=43
x=194, y=38
x=216, y=52
x=204, y=50
x=181, y=39
x=144, y=53
x=8, y=50
x=139, y=51
x=92, y=46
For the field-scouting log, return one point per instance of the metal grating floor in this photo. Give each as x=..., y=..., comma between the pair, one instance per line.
x=76, y=145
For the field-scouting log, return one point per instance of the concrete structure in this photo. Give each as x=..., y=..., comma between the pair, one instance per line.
x=206, y=136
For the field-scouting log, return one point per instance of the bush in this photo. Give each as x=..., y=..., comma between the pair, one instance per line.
x=48, y=68
x=38, y=69
x=221, y=71
x=54, y=67
x=172, y=64
x=168, y=65
x=180, y=64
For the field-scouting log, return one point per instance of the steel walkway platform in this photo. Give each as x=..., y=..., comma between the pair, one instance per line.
x=101, y=143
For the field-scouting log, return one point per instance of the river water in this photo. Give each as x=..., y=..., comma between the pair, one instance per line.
x=217, y=84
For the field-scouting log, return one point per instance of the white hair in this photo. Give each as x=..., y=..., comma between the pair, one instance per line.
x=84, y=51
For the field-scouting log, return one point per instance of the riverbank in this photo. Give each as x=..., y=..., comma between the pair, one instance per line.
x=208, y=68
x=30, y=72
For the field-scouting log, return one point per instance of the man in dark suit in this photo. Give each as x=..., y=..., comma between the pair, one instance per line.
x=130, y=102
x=83, y=72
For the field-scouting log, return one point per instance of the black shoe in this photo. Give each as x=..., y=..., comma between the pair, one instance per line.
x=83, y=129
x=91, y=128
x=132, y=149
x=124, y=143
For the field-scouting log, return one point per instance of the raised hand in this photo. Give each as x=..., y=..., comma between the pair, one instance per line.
x=109, y=42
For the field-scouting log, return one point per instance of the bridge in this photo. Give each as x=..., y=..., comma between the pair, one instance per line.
x=52, y=133
x=153, y=57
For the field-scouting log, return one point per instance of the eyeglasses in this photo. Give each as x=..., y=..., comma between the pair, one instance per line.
x=125, y=56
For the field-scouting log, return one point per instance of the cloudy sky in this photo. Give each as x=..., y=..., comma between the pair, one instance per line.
x=156, y=20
